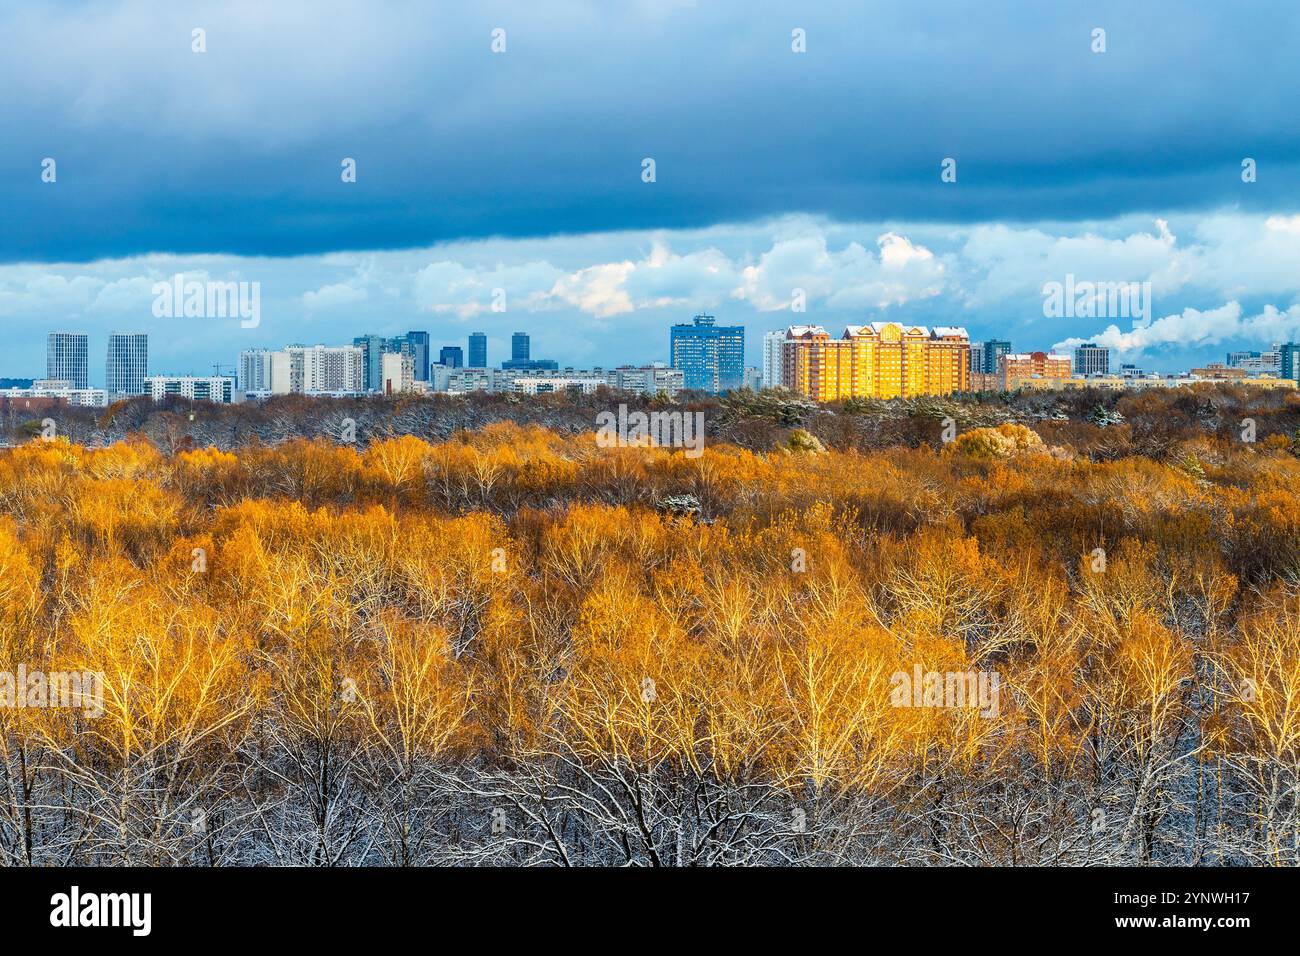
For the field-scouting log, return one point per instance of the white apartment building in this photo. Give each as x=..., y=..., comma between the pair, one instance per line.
x=397, y=373
x=648, y=379
x=199, y=388
x=303, y=369
x=60, y=389
x=772, y=358
x=461, y=380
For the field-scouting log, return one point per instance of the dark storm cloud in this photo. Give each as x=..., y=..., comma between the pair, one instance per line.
x=238, y=149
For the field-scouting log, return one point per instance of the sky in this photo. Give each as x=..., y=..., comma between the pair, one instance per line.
x=516, y=176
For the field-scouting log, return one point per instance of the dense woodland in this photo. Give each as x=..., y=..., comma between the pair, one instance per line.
x=494, y=642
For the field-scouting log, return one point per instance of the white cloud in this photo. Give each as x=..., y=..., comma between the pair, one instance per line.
x=332, y=296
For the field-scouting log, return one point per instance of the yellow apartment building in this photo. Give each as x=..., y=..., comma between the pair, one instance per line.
x=880, y=360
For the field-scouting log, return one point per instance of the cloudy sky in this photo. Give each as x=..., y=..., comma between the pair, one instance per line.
x=522, y=170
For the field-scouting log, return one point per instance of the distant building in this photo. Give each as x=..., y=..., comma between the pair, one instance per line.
x=711, y=357
x=542, y=384
x=420, y=354
x=753, y=379
x=305, y=369
x=1258, y=363
x=1128, y=370
x=199, y=388
x=772, y=342
x=398, y=370
x=1289, y=361
x=880, y=360
x=478, y=350
x=648, y=379
x=521, y=359
x=375, y=347
x=67, y=358
x=61, y=390
x=264, y=371
x=984, y=356
x=452, y=356
x=1217, y=371
x=1119, y=383
x=1017, y=369
x=1091, y=359
x=463, y=380
x=127, y=364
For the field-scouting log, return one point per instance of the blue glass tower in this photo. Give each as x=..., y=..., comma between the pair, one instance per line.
x=711, y=357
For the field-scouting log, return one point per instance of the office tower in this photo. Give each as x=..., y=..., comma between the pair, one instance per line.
x=984, y=356
x=520, y=356
x=372, y=351
x=880, y=360
x=711, y=357
x=67, y=358
x=1091, y=359
x=1017, y=367
x=419, y=342
x=128, y=363
x=451, y=356
x=1289, y=361
x=478, y=350
x=772, y=342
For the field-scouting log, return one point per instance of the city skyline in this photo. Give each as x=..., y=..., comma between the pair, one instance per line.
x=1228, y=285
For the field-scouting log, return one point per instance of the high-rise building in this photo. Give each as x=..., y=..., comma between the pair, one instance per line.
x=1091, y=359
x=520, y=356
x=325, y=368
x=372, y=351
x=711, y=357
x=1017, y=368
x=984, y=356
x=67, y=358
x=375, y=347
x=419, y=343
x=880, y=360
x=398, y=370
x=451, y=356
x=304, y=368
x=772, y=342
x=478, y=350
x=262, y=370
x=1289, y=361
x=128, y=363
